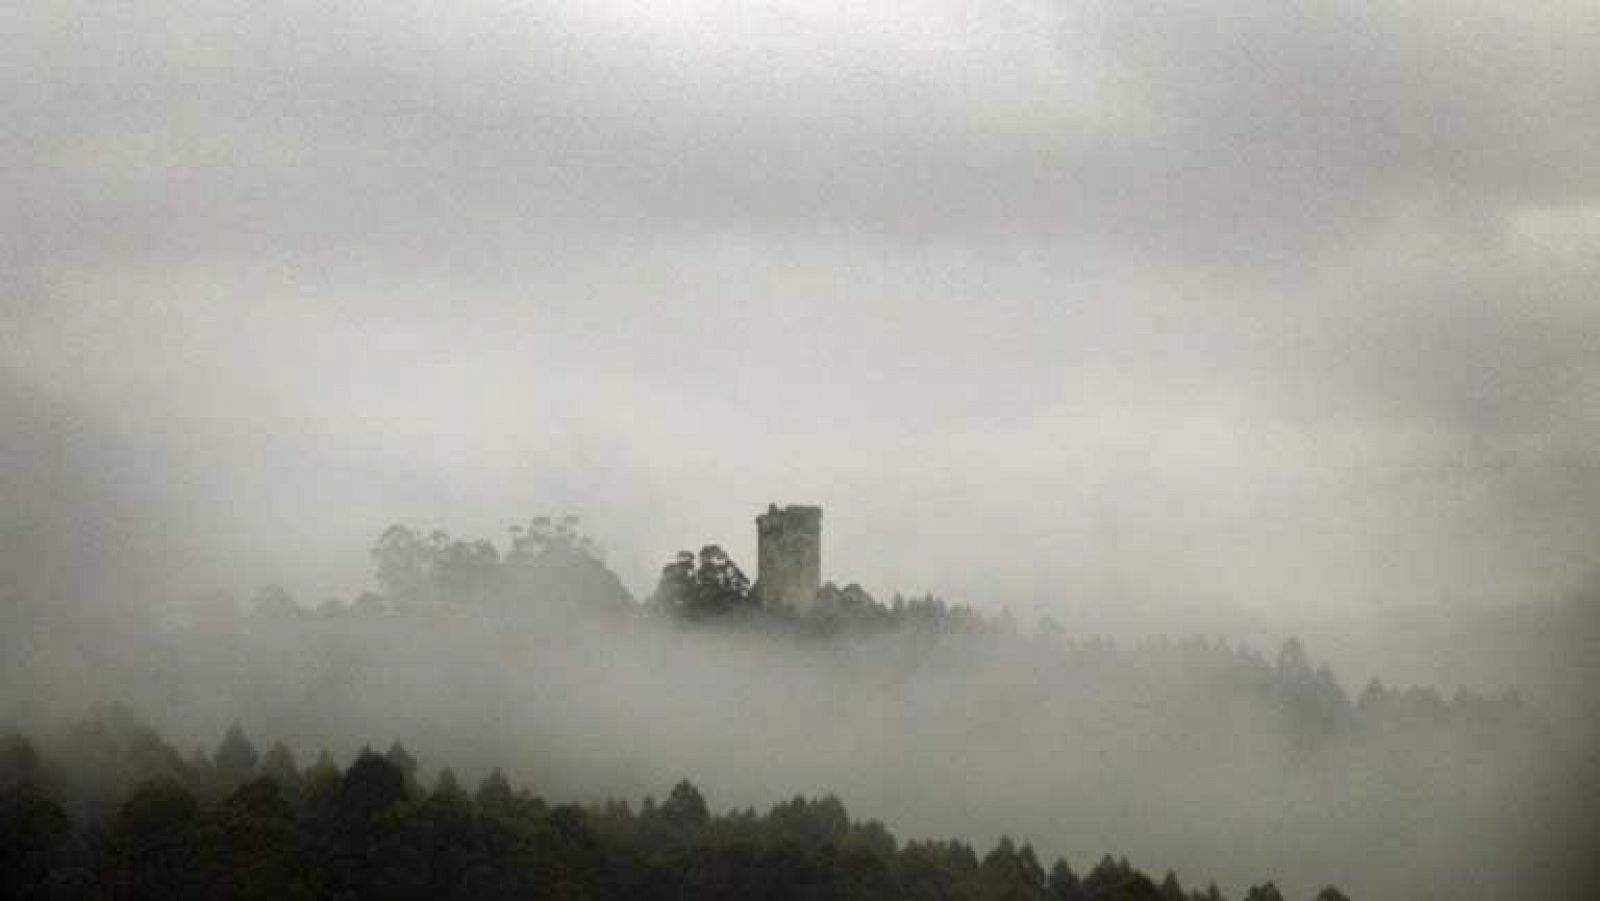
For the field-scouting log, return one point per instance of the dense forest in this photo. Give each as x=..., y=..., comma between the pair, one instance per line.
x=132, y=818
x=533, y=664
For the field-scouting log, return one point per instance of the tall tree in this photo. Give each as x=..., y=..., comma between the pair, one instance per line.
x=236, y=757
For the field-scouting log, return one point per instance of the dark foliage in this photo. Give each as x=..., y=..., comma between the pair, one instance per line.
x=371, y=832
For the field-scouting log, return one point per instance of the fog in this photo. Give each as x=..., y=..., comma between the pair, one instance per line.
x=1220, y=761
x=1237, y=323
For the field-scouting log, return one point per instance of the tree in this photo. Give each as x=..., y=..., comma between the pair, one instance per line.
x=552, y=563
x=675, y=587
x=494, y=792
x=156, y=812
x=321, y=780
x=465, y=572
x=235, y=759
x=279, y=766
x=702, y=587
x=1292, y=660
x=403, y=559
x=1012, y=874
x=273, y=603
x=1374, y=700
x=260, y=797
x=370, y=786
x=1265, y=892
x=19, y=763
x=1115, y=880
x=1063, y=883
x=152, y=843
x=402, y=759
x=544, y=533
x=685, y=807
x=1171, y=890
x=448, y=788
x=33, y=832
x=720, y=585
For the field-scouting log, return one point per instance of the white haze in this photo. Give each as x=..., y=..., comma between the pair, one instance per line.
x=1167, y=753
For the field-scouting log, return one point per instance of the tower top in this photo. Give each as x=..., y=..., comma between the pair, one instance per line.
x=796, y=516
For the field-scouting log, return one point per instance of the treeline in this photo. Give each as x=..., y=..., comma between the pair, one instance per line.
x=119, y=813
x=551, y=572
x=930, y=715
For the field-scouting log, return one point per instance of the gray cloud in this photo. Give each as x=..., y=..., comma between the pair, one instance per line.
x=1271, y=305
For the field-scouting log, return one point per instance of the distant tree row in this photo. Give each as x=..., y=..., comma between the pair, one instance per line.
x=547, y=563
x=238, y=824
x=551, y=571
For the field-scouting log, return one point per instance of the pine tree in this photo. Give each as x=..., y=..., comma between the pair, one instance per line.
x=236, y=757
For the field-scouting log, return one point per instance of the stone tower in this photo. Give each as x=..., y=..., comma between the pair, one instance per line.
x=789, y=555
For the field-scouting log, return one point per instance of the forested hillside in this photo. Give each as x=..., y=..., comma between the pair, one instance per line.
x=1216, y=760
x=130, y=817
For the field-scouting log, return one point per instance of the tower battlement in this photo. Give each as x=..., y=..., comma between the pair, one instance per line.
x=789, y=555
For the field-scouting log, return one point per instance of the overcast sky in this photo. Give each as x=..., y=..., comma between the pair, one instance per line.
x=1280, y=305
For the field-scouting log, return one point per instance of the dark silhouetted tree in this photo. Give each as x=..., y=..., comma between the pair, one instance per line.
x=33, y=834
x=494, y=792
x=278, y=764
x=1011, y=874
x=1265, y=892
x=235, y=759
x=370, y=786
x=1063, y=884
x=685, y=808
x=403, y=559
x=1171, y=889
